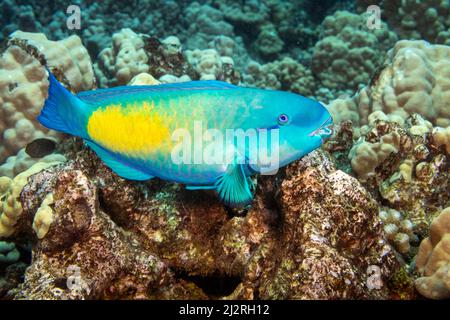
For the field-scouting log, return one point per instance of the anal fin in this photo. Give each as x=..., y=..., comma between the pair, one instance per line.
x=116, y=165
x=193, y=187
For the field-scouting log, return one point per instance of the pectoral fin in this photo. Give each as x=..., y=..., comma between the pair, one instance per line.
x=233, y=187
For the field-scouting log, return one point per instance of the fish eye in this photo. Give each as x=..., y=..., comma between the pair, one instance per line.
x=283, y=119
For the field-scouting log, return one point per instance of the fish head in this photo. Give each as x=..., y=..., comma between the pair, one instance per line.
x=299, y=125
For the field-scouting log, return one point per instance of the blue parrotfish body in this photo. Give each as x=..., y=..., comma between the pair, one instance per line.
x=142, y=132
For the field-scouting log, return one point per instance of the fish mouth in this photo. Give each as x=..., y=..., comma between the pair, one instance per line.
x=325, y=130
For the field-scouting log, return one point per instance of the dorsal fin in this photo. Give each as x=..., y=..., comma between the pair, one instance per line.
x=103, y=94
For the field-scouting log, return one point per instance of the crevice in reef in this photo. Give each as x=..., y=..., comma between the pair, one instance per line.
x=118, y=219
x=233, y=212
x=214, y=285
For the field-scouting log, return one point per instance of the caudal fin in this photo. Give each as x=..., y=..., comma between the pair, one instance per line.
x=62, y=110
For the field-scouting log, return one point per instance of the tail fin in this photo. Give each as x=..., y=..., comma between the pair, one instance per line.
x=62, y=110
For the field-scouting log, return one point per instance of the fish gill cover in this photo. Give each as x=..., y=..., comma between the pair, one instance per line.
x=349, y=99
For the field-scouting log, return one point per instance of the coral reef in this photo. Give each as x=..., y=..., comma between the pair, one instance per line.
x=98, y=20
x=366, y=156
x=403, y=166
x=441, y=137
x=271, y=28
x=133, y=54
x=399, y=231
x=206, y=23
x=335, y=251
x=10, y=277
x=24, y=85
x=10, y=190
x=166, y=58
x=43, y=217
x=286, y=74
x=252, y=12
x=348, y=53
x=414, y=80
x=111, y=238
x=401, y=285
x=8, y=253
x=344, y=222
x=209, y=65
x=125, y=59
x=426, y=19
x=268, y=42
x=433, y=262
x=252, y=24
x=68, y=56
x=22, y=161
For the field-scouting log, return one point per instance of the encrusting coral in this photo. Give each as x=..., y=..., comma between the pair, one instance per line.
x=433, y=259
x=23, y=88
x=441, y=137
x=22, y=161
x=410, y=172
x=10, y=190
x=399, y=231
x=43, y=217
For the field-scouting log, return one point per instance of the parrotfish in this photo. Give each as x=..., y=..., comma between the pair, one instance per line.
x=183, y=132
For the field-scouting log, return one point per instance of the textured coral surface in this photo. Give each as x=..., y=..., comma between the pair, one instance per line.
x=364, y=217
x=432, y=260
x=156, y=240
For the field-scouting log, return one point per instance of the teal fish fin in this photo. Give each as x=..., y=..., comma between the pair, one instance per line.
x=200, y=187
x=95, y=96
x=116, y=165
x=62, y=110
x=233, y=187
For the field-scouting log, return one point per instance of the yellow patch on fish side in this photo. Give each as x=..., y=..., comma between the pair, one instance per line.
x=134, y=129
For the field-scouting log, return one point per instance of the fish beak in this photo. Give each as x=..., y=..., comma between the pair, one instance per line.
x=325, y=130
